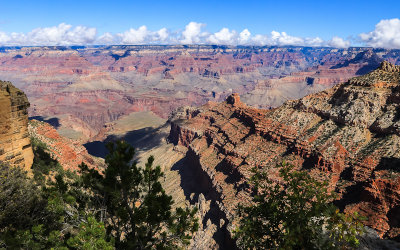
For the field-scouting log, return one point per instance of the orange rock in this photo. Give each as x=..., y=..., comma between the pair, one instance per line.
x=70, y=154
x=15, y=144
x=336, y=135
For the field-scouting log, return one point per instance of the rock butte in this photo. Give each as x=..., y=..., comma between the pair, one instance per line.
x=349, y=135
x=15, y=145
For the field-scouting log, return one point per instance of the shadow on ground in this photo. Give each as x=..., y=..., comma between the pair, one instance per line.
x=55, y=122
x=96, y=148
x=143, y=139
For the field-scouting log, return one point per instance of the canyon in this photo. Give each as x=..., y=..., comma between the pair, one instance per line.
x=347, y=135
x=81, y=89
x=210, y=114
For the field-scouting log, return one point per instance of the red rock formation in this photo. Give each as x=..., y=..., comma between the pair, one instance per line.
x=96, y=85
x=70, y=154
x=348, y=134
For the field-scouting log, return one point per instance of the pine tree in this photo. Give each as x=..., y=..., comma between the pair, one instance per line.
x=133, y=204
x=295, y=214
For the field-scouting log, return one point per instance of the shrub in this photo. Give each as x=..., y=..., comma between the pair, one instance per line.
x=295, y=215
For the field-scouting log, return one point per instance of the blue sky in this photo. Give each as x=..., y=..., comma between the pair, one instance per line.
x=303, y=19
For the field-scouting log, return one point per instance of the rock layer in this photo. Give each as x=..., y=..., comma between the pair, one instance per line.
x=87, y=87
x=348, y=135
x=15, y=145
x=69, y=153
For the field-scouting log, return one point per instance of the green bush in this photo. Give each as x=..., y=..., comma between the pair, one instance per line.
x=133, y=204
x=125, y=206
x=21, y=203
x=43, y=163
x=43, y=212
x=294, y=214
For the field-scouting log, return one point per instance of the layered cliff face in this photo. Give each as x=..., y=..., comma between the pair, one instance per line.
x=15, y=145
x=69, y=153
x=349, y=135
x=87, y=87
x=270, y=93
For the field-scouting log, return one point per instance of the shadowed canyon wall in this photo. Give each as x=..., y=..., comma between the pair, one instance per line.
x=348, y=135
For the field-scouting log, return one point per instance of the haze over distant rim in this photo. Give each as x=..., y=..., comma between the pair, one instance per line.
x=386, y=34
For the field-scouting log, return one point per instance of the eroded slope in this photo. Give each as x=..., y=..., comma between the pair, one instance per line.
x=348, y=134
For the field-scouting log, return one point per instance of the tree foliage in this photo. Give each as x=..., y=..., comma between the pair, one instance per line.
x=295, y=214
x=21, y=204
x=43, y=212
x=124, y=206
x=91, y=236
x=133, y=204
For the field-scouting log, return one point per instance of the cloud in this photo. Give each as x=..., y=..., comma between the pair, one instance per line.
x=278, y=38
x=314, y=42
x=106, y=39
x=338, y=42
x=385, y=35
x=162, y=34
x=244, y=36
x=224, y=36
x=192, y=33
x=4, y=38
x=283, y=39
x=135, y=36
x=63, y=34
x=260, y=40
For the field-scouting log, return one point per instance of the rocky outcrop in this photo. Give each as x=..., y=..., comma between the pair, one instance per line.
x=271, y=93
x=348, y=135
x=69, y=153
x=15, y=145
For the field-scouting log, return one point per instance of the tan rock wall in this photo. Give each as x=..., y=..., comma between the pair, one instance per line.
x=15, y=145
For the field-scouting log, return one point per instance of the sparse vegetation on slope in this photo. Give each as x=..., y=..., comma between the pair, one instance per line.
x=295, y=215
x=124, y=207
x=134, y=205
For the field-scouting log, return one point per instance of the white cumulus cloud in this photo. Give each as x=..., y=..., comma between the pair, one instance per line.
x=314, y=42
x=162, y=34
x=142, y=36
x=135, y=36
x=260, y=40
x=4, y=38
x=63, y=34
x=338, y=42
x=385, y=35
x=244, y=36
x=193, y=33
x=281, y=38
x=106, y=39
x=224, y=36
